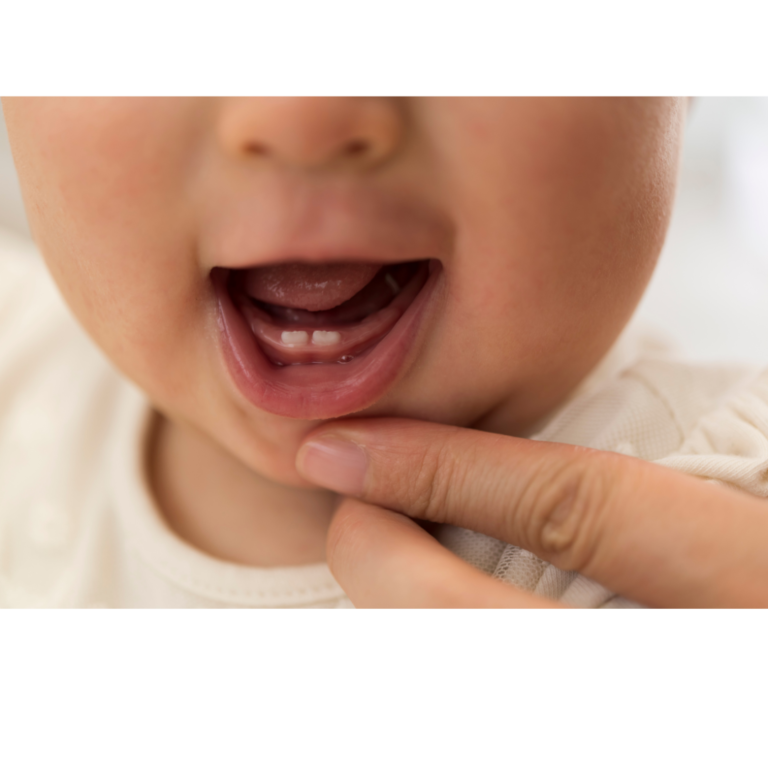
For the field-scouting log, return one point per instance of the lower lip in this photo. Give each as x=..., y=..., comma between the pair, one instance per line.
x=324, y=391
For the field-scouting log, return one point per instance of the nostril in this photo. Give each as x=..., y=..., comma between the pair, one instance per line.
x=256, y=148
x=356, y=147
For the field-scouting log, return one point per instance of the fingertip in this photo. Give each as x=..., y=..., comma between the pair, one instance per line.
x=333, y=463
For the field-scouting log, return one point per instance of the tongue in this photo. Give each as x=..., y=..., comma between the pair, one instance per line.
x=314, y=287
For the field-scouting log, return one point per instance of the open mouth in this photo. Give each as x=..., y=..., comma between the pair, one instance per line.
x=290, y=333
x=320, y=340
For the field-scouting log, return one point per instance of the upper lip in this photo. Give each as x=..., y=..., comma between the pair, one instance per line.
x=323, y=224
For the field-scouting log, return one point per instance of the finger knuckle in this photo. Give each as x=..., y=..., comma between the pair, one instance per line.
x=565, y=511
x=435, y=475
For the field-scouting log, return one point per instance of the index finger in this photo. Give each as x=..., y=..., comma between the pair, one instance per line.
x=648, y=533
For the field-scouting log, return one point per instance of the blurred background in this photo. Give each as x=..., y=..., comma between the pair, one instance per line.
x=710, y=291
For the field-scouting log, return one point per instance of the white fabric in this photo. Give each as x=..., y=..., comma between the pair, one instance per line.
x=704, y=420
x=78, y=526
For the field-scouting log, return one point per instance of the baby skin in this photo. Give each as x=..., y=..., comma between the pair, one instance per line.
x=258, y=266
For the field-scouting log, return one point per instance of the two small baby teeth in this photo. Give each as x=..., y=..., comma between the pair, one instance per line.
x=301, y=338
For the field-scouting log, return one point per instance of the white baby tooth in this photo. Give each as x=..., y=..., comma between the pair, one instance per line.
x=294, y=338
x=392, y=283
x=326, y=338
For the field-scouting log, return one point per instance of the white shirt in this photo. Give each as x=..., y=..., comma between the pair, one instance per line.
x=78, y=524
x=80, y=528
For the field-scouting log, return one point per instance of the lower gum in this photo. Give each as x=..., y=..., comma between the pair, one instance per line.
x=342, y=361
x=269, y=353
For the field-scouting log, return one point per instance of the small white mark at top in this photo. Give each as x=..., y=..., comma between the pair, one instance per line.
x=626, y=448
x=48, y=527
x=392, y=283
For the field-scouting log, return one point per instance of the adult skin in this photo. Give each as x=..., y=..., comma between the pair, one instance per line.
x=650, y=534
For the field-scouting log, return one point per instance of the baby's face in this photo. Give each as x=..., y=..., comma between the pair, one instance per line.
x=258, y=265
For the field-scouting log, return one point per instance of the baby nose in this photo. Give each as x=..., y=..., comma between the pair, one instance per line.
x=312, y=132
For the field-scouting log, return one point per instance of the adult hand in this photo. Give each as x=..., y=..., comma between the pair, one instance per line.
x=648, y=533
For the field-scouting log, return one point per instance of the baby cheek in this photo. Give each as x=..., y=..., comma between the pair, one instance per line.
x=109, y=211
x=110, y=214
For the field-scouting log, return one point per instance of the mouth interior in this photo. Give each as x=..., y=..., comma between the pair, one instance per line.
x=360, y=304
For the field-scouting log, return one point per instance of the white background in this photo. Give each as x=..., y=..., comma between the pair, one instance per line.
x=710, y=291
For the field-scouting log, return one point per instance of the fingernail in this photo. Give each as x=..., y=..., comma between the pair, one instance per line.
x=334, y=464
